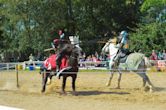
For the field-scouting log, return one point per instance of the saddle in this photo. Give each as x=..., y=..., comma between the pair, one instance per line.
x=124, y=56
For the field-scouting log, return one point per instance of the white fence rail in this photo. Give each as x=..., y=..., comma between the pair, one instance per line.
x=83, y=64
x=36, y=64
x=8, y=66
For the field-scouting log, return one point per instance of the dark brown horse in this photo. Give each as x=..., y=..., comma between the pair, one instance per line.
x=70, y=71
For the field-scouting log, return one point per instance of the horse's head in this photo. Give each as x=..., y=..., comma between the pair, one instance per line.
x=75, y=41
x=76, y=51
x=109, y=47
x=105, y=49
x=74, y=58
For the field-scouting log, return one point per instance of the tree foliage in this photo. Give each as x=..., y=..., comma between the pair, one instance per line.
x=149, y=37
x=151, y=34
x=152, y=3
x=29, y=26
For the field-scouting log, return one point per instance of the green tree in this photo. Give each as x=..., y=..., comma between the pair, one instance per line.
x=27, y=24
x=30, y=25
x=151, y=33
x=149, y=37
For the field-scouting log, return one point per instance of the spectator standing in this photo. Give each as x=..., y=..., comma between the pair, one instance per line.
x=97, y=55
x=94, y=58
x=153, y=55
x=164, y=54
x=84, y=56
x=160, y=56
x=89, y=58
x=31, y=57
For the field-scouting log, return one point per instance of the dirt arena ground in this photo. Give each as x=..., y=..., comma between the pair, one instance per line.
x=91, y=89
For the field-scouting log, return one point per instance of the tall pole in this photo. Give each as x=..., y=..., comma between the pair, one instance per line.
x=17, y=81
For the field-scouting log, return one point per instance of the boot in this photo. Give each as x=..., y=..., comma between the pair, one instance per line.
x=57, y=68
x=58, y=62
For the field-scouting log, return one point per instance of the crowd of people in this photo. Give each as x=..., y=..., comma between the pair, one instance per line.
x=93, y=59
x=158, y=55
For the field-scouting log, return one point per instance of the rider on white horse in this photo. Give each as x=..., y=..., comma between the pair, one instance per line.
x=123, y=46
x=135, y=62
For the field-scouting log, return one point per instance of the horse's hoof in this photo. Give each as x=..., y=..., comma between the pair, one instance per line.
x=49, y=81
x=58, y=77
x=151, y=89
x=42, y=91
x=107, y=85
x=148, y=89
x=117, y=88
x=63, y=93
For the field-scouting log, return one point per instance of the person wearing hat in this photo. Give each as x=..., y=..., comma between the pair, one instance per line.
x=64, y=48
x=122, y=45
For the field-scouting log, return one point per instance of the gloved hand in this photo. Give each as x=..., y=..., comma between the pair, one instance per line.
x=117, y=46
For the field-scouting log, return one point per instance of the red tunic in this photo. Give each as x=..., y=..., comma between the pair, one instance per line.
x=50, y=63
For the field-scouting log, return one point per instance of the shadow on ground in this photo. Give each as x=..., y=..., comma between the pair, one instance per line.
x=87, y=93
x=160, y=89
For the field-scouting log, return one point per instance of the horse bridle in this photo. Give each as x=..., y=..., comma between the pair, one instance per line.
x=72, y=56
x=108, y=43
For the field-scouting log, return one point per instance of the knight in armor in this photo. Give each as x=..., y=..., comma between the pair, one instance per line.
x=64, y=48
x=123, y=46
x=55, y=44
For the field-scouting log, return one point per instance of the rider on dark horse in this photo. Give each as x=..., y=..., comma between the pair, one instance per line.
x=63, y=48
x=123, y=47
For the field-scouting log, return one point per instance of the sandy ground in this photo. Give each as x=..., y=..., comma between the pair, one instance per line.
x=91, y=90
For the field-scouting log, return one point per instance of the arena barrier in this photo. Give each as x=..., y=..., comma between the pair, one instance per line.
x=11, y=66
x=31, y=65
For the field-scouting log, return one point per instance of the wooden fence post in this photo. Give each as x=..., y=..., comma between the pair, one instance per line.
x=17, y=80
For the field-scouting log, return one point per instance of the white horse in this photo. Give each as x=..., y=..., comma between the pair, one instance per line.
x=138, y=58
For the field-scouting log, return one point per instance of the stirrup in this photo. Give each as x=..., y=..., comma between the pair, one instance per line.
x=57, y=70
